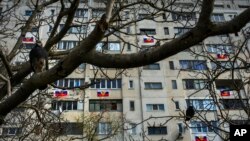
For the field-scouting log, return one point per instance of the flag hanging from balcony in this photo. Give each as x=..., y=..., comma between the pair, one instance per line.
x=60, y=93
x=222, y=56
x=148, y=39
x=225, y=93
x=201, y=138
x=102, y=93
x=28, y=40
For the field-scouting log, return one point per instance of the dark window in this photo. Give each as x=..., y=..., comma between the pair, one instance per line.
x=132, y=105
x=153, y=85
x=183, y=16
x=81, y=13
x=174, y=84
x=28, y=12
x=171, y=65
x=129, y=47
x=177, y=105
x=193, y=64
x=52, y=11
x=128, y=29
x=104, y=84
x=145, y=16
x=11, y=131
x=155, y=66
x=147, y=31
x=166, y=31
x=157, y=130
x=72, y=128
x=29, y=46
x=234, y=104
x=97, y=13
x=180, y=127
x=64, y=105
x=105, y=105
x=131, y=84
x=194, y=84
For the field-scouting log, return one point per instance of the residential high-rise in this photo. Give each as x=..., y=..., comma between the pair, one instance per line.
x=149, y=102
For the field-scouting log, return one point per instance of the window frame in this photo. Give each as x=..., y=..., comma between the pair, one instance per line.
x=152, y=85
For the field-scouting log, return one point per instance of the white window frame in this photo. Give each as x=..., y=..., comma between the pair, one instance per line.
x=104, y=128
x=150, y=107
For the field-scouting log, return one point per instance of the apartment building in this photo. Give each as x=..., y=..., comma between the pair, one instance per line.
x=149, y=102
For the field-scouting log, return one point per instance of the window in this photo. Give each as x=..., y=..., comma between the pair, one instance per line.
x=69, y=82
x=164, y=17
x=171, y=65
x=234, y=104
x=65, y=45
x=174, y=84
x=223, y=65
x=177, y=105
x=82, y=66
x=128, y=29
x=97, y=13
x=198, y=126
x=193, y=64
x=219, y=48
x=29, y=46
x=217, y=17
x=11, y=131
x=154, y=66
x=153, y=85
x=107, y=84
x=244, y=6
x=52, y=12
x=147, y=31
x=180, y=30
x=183, y=16
x=129, y=47
x=64, y=105
x=180, y=127
x=219, y=6
x=197, y=84
x=81, y=13
x=145, y=16
x=105, y=105
x=130, y=84
x=201, y=104
x=71, y=128
x=104, y=128
x=132, y=105
x=111, y=46
x=132, y=128
x=157, y=130
x=35, y=29
x=155, y=107
x=166, y=31
x=126, y=15
x=76, y=29
x=28, y=12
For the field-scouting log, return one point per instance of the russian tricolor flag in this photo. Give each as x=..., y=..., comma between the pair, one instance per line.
x=102, y=93
x=61, y=93
x=148, y=39
x=28, y=40
x=222, y=56
x=201, y=138
x=225, y=93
